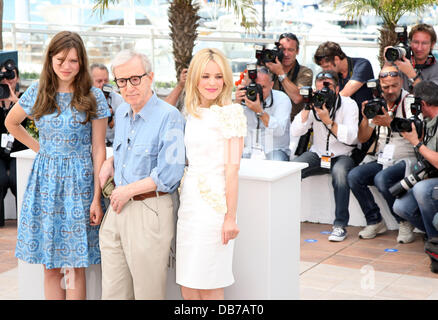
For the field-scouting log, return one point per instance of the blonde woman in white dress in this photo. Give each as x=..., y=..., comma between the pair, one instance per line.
x=206, y=226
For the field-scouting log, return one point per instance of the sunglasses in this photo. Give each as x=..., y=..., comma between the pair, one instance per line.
x=325, y=75
x=389, y=74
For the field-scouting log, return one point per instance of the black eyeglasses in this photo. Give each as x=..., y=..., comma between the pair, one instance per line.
x=288, y=35
x=135, y=80
x=389, y=74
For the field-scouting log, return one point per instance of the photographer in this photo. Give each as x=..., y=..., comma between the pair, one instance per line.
x=420, y=204
x=289, y=75
x=8, y=143
x=384, y=166
x=353, y=73
x=420, y=64
x=334, y=120
x=100, y=76
x=267, y=119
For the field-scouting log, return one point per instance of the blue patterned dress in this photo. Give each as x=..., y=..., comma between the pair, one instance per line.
x=54, y=227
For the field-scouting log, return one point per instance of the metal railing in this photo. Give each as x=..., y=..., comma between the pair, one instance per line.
x=103, y=41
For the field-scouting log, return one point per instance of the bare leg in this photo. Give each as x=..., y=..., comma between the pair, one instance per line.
x=75, y=284
x=53, y=289
x=213, y=294
x=190, y=294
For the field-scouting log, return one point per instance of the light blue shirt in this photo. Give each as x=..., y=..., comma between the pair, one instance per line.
x=277, y=135
x=149, y=145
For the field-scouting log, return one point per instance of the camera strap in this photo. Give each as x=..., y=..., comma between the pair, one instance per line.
x=264, y=107
x=342, y=81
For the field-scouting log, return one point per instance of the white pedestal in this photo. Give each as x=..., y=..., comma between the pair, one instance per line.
x=267, y=250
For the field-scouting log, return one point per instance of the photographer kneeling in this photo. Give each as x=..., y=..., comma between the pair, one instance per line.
x=334, y=120
x=386, y=161
x=420, y=204
x=267, y=112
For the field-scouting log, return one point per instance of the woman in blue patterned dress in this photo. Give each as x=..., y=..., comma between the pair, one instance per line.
x=61, y=211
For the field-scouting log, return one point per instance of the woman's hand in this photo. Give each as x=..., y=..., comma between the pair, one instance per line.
x=96, y=213
x=230, y=230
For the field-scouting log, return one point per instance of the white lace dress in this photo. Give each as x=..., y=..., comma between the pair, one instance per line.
x=202, y=261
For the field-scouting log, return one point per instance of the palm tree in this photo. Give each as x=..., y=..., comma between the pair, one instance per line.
x=389, y=10
x=183, y=18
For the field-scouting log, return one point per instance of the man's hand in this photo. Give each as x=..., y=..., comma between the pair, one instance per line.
x=183, y=78
x=240, y=94
x=119, y=197
x=363, y=108
x=383, y=120
x=12, y=97
x=323, y=114
x=406, y=67
x=106, y=171
x=412, y=136
x=275, y=67
x=255, y=106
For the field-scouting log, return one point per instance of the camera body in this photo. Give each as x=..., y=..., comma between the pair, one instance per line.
x=374, y=107
x=264, y=55
x=107, y=89
x=402, y=49
x=422, y=169
x=253, y=89
x=8, y=74
x=404, y=125
x=318, y=98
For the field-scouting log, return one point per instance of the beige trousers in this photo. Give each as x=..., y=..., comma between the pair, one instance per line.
x=135, y=247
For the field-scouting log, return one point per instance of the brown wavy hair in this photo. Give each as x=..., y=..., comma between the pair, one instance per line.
x=83, y=99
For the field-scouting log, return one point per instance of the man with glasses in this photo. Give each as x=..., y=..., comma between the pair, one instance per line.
x=267, y=120
x=100, y=76
x=386, y=162
x=353, y=72
x=289, y=75
x=334, y=137
x=147, y=166
x=422, y=64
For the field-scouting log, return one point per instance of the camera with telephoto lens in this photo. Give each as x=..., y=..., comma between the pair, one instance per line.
x=264, y=55
x=8, y=74
x=402, y=49
x=253, y=89
x=318, y=98
x=422, y=170
x=374, y=106
x=404, y=125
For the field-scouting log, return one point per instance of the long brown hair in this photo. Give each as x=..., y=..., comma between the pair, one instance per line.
x=83, y=99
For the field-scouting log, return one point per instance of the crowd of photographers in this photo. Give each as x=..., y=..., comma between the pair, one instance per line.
x=363, y=130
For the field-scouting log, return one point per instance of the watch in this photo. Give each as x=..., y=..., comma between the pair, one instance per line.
x=260, y=114
x=281, y=77
x=418, y=146
x=412, y=80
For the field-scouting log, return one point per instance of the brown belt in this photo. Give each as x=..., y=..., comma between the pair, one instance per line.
x=142, y=196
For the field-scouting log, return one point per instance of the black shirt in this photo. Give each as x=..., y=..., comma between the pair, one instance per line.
x=17, y=145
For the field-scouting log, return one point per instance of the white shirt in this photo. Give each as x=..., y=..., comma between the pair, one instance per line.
x=276, y=136
x=346, y=117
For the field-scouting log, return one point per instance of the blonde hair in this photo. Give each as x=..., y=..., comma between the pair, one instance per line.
x=197, y=66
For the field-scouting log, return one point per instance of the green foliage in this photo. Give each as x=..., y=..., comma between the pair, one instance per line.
x=29, y=75
x=389, y=10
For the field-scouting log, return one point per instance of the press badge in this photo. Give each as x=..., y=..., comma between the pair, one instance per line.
x=326, y=161
x=5, y=139
x=386, y=157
